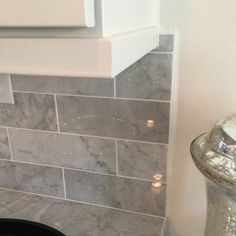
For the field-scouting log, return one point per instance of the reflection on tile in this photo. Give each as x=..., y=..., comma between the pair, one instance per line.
x=166, y=43
x=64, y=85
x=141, y=160
x=148, y=78
x=31, y=111
x=64, y=150
x=31, y=178
x=4, y=145
x=75, y=219
x=129, y=194
x=136, y=120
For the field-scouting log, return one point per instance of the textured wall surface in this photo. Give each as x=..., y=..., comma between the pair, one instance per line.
x=98, y=142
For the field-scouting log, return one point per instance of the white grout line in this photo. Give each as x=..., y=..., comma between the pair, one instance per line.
x=119, y=209
x=9, y=142
x=84, y=203
x=117, y=163
x=64, y=182
x=86, y=135
x=95, y=97
x=79, y=170
x=112, y=138
x=114, y=83
x=32, y=163
x=56, y=111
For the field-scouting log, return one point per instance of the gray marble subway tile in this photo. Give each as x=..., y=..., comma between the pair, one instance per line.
x=166, y=43
x=64, y=150
x=33, y=111
x=148, y=78
x=64, y=85
x=130, y=194
x=31, y=178
x=136, y=120
x=74, y=219
x=141, y=160
x=4, y=145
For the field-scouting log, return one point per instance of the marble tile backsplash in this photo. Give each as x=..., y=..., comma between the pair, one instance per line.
x=4, y=145
x=71, y=151
x=141, y=160
x=166, y=43
x=114, y=118
x=31, y=111
x=31, y=178
x=64, y=85
x=113, y=191
x=148, y=78
x=96, y=141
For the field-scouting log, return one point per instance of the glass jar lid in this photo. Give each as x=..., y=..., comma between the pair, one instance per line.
x=214, y=153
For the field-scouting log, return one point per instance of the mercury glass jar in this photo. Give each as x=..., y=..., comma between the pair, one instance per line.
x=214, y=154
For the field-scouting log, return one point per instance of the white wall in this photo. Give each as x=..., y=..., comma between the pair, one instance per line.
x=207, y=92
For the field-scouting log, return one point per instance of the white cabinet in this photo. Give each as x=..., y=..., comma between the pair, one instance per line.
x=128, y=15
x=51, y=44
x=47, y=13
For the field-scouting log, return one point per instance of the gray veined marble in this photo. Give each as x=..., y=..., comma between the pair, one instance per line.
x=64, y=85
x=166, y=43
x=33, y=111
x=214, y=154
x=4, y=145
x=31, y=178
x=76, y=219
x=64, y=150
x=141, y=160
x=148, y=78
x=136, y=120
x=113, y=191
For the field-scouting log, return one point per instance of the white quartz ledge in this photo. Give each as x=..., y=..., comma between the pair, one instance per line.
x=80, y=57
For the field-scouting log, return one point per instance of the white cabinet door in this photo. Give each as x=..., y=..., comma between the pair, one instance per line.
x=47, y=13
